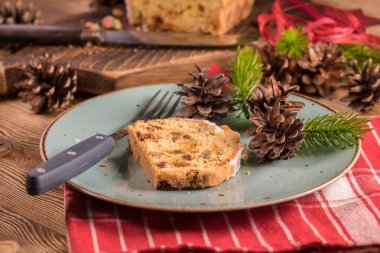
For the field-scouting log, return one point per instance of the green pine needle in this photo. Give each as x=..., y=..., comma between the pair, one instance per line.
x=360, y=53
x=293, y=42
x=336, y=129
x=246, y=73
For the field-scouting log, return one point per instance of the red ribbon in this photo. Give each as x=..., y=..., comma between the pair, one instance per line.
x=321, y=23
x=215, y=69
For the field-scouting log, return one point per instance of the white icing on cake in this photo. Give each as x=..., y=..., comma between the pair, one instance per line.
x=217, y=128
x=235, y=162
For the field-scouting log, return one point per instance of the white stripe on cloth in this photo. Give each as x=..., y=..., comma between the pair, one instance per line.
x=333, y=221
x=176, y=232
x=230, y=229
x=374, y=133
x=285, y=228
x=147, y=230
x=334, y=203
x=257, y=232
x=119, y=230
x=370, y=166
x=308, y=205
x=204, y=231
x=91, y=222
x=315, y=231
x=361, y=193
x=364, y=170
x=359, y=222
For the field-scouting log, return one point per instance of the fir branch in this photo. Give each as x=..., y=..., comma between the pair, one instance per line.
x=246, y=73
x=336, y=129
x=293, y=42
x=360, y=53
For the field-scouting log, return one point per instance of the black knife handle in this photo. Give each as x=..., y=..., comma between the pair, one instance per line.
x=37, y=34
x=69, y=164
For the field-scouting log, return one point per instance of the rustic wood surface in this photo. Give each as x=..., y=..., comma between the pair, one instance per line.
x=101, y=69
x=36, y=224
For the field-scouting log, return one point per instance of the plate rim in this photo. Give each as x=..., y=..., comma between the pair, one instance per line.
x=43, y=155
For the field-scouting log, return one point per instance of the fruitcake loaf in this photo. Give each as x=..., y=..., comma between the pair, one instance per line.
x=189, y=16
x=185, y=153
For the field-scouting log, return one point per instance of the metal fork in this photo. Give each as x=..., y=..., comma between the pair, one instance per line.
x=82, y=156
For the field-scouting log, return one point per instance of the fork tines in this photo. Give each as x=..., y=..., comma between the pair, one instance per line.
x=161, y=108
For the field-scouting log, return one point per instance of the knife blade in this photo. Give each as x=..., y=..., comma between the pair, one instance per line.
x=48, y=35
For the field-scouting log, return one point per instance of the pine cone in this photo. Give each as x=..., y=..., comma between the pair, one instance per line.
x=206, y=98
x=275, y=65
x=264, y=96
x=319, y=70
x=277, y=135
x=19, y=13
x=48, y=86
x=364, y=86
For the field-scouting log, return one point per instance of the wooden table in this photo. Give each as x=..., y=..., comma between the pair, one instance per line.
x=37, y=224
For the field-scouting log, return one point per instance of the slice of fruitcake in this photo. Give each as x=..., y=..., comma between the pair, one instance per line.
x=185, y=153
x=189, y=16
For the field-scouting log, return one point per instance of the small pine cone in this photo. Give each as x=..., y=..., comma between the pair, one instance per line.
x=48, y=87
x=277, y=135
x=275, y=65
x=364, y=86
x=206, y=97
x=19, y=13
x=264, y=96
x=319, y=70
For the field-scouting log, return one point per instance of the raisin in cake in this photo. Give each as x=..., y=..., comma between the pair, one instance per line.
x=185, y=153
x=189, y=16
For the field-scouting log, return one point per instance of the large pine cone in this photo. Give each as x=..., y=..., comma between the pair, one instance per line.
x=19, y=13
x=364, y=86
x=275, y=65
x=266, y=95
x=277, y=135
x=48, y=87
x=319, y=70
x=206, y=97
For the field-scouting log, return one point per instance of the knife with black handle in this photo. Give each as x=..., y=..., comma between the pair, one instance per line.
x=77, y=159
x=58, y=35
x=82, y=156
x=69, y=163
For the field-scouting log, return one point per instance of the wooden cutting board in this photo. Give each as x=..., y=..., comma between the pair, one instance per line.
x=101, y=69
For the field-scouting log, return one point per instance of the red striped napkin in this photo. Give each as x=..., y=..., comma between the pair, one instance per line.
x=343, y=214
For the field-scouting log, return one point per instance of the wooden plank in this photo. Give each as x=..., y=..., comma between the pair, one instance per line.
x=369, y=7
x=23, y=235
x=54, y=11
x=20, y=132
x=99, y=67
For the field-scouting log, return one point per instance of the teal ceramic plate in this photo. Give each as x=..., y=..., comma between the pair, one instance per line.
x=122, y=181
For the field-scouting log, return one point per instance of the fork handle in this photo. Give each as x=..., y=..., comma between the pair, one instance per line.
x=69, y=163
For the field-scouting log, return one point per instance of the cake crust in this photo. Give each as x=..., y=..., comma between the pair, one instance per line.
x=188, y=162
